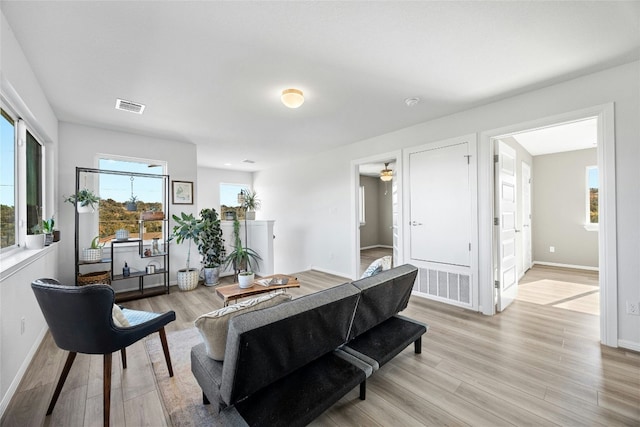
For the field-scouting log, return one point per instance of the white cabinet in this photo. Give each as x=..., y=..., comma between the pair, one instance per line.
x=259, y=237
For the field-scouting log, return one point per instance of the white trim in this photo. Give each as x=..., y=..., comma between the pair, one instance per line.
x=355, y=217
x=13, y=387
x=592, y=227
x=607, y=202
x=376, y=247
x=557, y=264
x=635, y=346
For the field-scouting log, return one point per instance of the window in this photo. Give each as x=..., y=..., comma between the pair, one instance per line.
x=123, y=197
x=7, y=182
x=229, y=205
x=22, y=191
x=592, y=198
x=361, y=206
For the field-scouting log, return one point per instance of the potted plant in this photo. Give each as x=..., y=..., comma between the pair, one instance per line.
x=47, y=227
x=132, y=204
x=242, y=259
x=84, y=200
x=187, y=228
x=211, y=246
x=250, y=204
x=94, y=252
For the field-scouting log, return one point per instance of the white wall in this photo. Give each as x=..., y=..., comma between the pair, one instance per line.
x=22, y=92
x=79, y=146
x=311, y=202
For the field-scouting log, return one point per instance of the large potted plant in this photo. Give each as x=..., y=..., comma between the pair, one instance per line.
x=211, y=245
x=187, y=228
x=84, y=200
x=242, y=259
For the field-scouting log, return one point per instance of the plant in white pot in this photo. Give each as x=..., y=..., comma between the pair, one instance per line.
x=250, y=203
x=211, y=246
x=187, y=228
x=84, y=200
x=242, y=259
x=94, y=252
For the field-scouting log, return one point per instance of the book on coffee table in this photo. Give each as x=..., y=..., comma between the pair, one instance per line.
x=273, y=281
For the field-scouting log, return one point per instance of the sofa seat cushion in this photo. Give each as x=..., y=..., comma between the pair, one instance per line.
x=208, y=373
x=383, y=342
x=301, y=396
x=213, y=326
x=382, y=296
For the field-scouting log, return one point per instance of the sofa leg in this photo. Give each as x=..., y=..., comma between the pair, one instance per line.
x=363, y=390
x=418, y=346
x=205, y=400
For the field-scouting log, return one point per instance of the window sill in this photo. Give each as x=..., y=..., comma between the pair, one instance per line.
x=20, y=258
x=592, y=227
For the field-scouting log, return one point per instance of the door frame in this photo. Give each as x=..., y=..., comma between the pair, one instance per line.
x=607, y=239
x=526, y=263
x=396, y=156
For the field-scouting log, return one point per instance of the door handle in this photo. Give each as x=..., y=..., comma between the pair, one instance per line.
x=415, y=224
x=517, y=231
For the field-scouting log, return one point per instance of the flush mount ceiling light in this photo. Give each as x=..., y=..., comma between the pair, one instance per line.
x=386, y=174
x=292, y=98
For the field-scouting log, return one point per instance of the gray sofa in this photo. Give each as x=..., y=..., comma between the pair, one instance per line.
x=287, y=364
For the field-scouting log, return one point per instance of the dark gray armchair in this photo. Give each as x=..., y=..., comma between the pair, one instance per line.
x=80, y=320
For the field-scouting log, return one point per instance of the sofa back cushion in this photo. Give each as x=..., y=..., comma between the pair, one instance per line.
x=266, y=345
x=383, y=295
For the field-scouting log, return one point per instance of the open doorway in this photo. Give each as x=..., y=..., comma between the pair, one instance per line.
x=376, y=210
x=607, y=247
x=554, y=175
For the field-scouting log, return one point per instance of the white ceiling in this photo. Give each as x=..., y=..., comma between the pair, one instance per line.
x=210, y=73
x=572, y=136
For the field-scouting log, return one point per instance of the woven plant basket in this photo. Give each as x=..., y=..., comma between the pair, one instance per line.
x=188, y=280
x=94, y=278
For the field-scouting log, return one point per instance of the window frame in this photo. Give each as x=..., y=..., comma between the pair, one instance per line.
x=11, y=117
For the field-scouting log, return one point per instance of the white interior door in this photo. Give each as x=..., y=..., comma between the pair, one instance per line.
x=505, y=197
x=395, y=217
x=440, y=221
x=527, y=258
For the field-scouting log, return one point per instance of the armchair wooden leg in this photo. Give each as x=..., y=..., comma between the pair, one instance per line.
x=418, y=346
x=165, y=348
x=123, y=353
x=106, y=389
x=363, y=390
x=63, y=377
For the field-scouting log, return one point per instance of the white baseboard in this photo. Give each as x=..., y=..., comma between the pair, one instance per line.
x=324, y=270
x=376, y=247
x=630, y=345
x=577, y=267
x=13, y=387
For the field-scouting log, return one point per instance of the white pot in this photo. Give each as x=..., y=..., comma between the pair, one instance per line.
x=245, y=280
x=188, y=279
x=211, y=276
x=35, y=241
x=250, y=215
x=89, y=254
x=85, y=209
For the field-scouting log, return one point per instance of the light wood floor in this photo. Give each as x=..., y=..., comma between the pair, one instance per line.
x=530, y=365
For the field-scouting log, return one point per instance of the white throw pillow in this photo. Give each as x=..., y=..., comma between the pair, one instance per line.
x=381, y=264
x=213, y=327
x=118, y=317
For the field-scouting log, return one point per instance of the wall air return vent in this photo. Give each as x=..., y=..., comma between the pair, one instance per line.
x=132, y=107
x=445, y=285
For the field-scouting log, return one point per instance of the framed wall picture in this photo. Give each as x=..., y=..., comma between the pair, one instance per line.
x=182, y=192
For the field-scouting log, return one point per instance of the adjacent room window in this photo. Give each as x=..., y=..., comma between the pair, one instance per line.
x=361, y=206
x=592, y=197
x=7, y=181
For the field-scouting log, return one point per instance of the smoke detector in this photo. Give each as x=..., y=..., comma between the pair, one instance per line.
x=412, y=101
x=130, y=106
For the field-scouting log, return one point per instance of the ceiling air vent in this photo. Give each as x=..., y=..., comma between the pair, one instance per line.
x=132, y=107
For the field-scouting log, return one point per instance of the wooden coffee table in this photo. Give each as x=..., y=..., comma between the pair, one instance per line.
x=235, y=292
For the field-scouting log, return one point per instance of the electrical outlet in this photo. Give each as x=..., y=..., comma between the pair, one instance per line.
x=22, y=325
x=633, y=308
x=552, y=249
